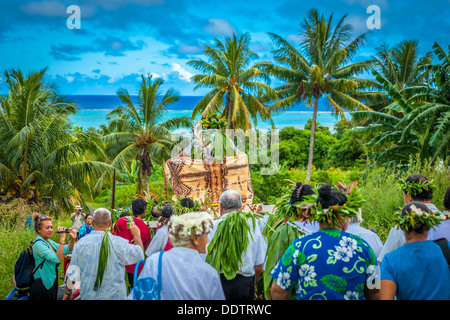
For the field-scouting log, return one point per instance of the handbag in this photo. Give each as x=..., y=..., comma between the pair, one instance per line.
x=147, y=288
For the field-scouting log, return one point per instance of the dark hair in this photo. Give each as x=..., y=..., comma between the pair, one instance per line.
x=424, y=195
x=187, y=203
x=125, y=214
x=329, y=196
x=87, y=215
x=447, y=199
x=419, y=227
x=138, y=206
x=299, y=191
x=167, y=211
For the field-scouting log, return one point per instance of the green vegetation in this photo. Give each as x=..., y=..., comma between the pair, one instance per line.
x=321, y=70
x=228, y=73
x=400, y=125
x=137, y=134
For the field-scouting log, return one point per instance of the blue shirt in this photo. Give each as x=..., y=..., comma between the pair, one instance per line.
x=327, y=265
x=419, y=270
x=84, y=230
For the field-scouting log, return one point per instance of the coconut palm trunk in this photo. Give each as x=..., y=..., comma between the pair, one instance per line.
x=311, y=141
x=113, y=198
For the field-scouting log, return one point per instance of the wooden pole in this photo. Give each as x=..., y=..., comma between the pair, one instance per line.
x=165, y=180
x=113, y=189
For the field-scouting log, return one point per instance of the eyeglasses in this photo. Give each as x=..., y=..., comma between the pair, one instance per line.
x=44, y=217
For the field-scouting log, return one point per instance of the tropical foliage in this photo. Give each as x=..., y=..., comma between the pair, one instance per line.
x=137, y=131
x=417, y=122
x=236, y=85
x=41, y=157
x=402, y=67
x=321, y=69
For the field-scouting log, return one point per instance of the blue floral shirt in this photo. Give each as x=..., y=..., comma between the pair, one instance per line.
x=327, y=265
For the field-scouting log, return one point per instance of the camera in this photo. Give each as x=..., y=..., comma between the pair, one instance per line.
x=65, y=231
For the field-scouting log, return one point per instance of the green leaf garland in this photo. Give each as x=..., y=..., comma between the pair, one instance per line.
x=105, y=249
x=230, y=241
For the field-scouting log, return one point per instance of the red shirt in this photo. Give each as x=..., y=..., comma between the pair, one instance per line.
x=121, y=230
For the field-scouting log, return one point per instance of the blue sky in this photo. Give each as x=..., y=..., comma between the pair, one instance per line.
x=121, y=39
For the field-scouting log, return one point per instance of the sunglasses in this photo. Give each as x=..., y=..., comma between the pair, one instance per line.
x=44, y=217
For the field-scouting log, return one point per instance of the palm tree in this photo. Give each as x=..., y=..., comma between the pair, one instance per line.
x=137, y=132
x=41, y=158
x=321, y=69
x=236, y=86
x=402, y=67
x=417, y=122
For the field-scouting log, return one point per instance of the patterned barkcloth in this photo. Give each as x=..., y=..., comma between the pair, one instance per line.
x=192, y=177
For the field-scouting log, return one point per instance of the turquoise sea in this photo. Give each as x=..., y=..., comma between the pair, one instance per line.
x=94, y=108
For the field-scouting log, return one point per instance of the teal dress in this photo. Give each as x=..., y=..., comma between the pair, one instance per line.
x=47, y=275
x=326, y=265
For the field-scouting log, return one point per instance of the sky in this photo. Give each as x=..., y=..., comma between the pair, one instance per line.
x=120, y=40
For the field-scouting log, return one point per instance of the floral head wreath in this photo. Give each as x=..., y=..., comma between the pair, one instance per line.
x=334, y=215
x=190, y=224
x=414, y=188
x=415, y=216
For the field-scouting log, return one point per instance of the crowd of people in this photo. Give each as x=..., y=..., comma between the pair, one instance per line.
x=333, y=259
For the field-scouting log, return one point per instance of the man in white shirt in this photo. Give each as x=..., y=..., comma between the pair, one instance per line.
x=369, y=236
x=242, y=287
x=85, y=257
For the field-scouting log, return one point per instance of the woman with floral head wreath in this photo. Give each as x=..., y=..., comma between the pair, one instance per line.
x=329, y=264
x=417, y=270
x=416, y=187
x=185, y=275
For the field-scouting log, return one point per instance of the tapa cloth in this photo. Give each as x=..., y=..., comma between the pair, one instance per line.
x=192, y=177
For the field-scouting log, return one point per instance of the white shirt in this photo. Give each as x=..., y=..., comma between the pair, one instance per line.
x=309, y=227
x=370, y=237
x=256, y=249
x=397, y=238
x=85, y=255
x=185, y=276
x=159, y=241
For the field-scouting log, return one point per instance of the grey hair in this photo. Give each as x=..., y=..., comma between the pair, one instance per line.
x=230, y=200
x=101, y=217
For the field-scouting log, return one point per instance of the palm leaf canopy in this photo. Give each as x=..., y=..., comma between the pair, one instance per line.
x=41, y=156
x=237, y=85
x=322, y=65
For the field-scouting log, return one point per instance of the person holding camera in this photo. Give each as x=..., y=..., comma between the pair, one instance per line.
x=78, y=218
x=48, y=255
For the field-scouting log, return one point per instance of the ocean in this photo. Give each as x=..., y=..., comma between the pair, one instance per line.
x=94, y=108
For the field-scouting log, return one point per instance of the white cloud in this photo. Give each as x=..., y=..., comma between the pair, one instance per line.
x=219, y=27
x=184, y=74
x=45, y=8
